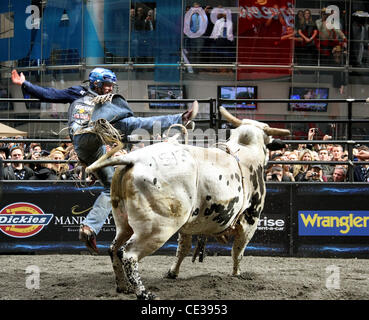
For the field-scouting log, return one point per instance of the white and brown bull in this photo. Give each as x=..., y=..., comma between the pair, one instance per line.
x=169, y=187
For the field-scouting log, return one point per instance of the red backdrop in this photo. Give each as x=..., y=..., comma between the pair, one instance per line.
x=262, y=23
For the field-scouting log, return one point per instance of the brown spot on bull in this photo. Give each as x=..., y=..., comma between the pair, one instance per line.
x=176, y=207
x=122, y=185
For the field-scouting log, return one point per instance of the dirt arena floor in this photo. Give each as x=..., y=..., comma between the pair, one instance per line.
x=71, y=277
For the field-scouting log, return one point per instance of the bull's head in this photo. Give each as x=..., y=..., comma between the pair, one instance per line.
x=251, y=132
x=262, y=126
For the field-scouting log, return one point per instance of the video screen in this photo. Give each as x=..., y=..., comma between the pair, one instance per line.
x=170, y=92
x=297, y=93
x=243, y=92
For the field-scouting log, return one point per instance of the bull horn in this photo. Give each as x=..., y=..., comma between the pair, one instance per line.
x=276, y=131
x=229, y=117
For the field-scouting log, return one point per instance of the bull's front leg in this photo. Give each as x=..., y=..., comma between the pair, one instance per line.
x=243, y=234
x=184, y=246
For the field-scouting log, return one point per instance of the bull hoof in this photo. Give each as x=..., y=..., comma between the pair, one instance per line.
x=125, y=290
x=147, y=296
x=171, y=275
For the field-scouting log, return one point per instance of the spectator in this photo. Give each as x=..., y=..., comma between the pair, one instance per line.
x=308, y=32
x=329, y=38
x=35, y=155
x=337, y=152
x=45, y=171
x=361, y=173
x=17, y=171
x=300, y=170
x=299, y=20
x=223, y=38
x=4, y=153
x=139, y=21
x=275, y=173
x=61, y=169
x=324, y=155
x=339, y=174
x=33, y=147
x=315, y=174
x=363, y=154
x=292, y=156
x=287, y=169
x=3, y=144
x=150, y=21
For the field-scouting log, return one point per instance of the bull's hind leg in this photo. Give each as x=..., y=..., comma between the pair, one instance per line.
x=116, y=256
x=116, y=251
x=145, y=241
x=243, y=234
x=184, y=246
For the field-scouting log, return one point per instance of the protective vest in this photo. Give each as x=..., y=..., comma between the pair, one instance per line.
x=111, y=107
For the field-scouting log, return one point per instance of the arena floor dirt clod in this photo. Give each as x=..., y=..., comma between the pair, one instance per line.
x=70, y=277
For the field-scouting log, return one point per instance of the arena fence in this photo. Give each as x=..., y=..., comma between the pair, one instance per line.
x=299, y=219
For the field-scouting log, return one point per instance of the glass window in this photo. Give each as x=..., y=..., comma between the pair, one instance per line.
x=7, y=25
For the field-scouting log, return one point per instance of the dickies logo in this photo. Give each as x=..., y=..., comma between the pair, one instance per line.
x=23, y=220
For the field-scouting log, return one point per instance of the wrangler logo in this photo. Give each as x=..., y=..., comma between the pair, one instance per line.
x=333, y=223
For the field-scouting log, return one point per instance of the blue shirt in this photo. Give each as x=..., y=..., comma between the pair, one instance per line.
x=54, y=95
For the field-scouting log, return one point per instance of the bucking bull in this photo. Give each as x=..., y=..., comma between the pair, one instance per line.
x=170, y=187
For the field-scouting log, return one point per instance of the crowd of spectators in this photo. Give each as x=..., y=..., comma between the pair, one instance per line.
x=67, y=169
x=318, y=40
x=334, y=153
x=70, y=169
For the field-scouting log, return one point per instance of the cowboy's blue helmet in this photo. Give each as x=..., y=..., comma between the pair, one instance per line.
x=100, y=75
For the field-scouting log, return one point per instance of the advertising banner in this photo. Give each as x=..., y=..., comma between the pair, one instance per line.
x=304, y=219
x=265, y=28
x=330, y=220
x=39, y=217
x=333, y=223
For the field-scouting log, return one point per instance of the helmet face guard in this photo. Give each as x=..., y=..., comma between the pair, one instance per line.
x=99, y=76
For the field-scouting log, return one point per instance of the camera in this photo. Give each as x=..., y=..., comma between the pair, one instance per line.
x=274, y=177
x=314, y=174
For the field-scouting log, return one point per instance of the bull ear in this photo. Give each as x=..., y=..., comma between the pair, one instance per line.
x=229, y=117
x=276, y=132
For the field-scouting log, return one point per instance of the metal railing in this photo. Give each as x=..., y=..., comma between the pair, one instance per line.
x=215, y=120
